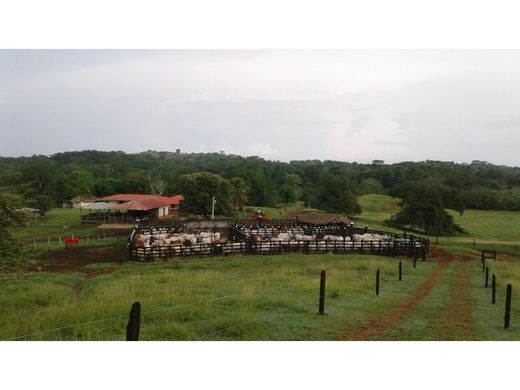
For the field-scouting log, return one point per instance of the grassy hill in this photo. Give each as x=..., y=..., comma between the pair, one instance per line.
x=484, y=226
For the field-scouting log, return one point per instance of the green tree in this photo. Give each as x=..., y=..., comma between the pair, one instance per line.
x=423, y=209
x=42, y=202
x=335, y=194
x=200, y=187
x=287, y=194
x=40, y=173
x=81, y=182
x=8, y=217
x=371, y=186
x=239, y=190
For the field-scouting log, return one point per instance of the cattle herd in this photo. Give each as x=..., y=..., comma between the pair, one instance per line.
x=165, y=243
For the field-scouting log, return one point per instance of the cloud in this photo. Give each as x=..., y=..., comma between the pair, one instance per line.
x=286, y=105
x=376, y=135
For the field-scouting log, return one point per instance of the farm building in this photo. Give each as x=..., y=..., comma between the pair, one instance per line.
x=156, y=205
x=82, y=200
x=128, y=207
x=315, y=218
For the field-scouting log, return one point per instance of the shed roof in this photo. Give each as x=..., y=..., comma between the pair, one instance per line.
x=97, y=206
x=28, y=210
x=142, y=205
x=142, y=197
x=84, y=198
x=317, y=218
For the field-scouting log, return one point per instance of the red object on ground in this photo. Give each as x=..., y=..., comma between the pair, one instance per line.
x=70, y=241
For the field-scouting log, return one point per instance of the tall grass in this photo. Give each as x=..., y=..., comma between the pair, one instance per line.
x=240, y=298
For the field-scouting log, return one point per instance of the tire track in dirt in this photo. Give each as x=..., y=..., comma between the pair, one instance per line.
x=379, y=325
x=457, y=324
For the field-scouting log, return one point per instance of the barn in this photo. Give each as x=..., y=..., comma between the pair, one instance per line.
x=153, y=206
x=127, y=208
x=82, y=200
x=317, y=218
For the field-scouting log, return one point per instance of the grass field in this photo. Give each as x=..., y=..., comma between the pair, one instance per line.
x=486, y=227
x=56, y=223
x=273, y=298
x=237, y=298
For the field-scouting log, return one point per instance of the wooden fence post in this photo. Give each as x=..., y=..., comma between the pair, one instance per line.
x=507, y=315
x=134, y=323
x=377, y=282
x=487, y=278
x=483, y=265
x=322, y=293
x=493, y=289
x=414, y=262
x=400, y=270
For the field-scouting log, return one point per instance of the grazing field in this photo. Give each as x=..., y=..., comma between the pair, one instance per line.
x=234, y=298
x=56, y=223
x=486, y=227
x=86, y=293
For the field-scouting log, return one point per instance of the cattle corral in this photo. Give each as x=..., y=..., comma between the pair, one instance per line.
x=150, y=242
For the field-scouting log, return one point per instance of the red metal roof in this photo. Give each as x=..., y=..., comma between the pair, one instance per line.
x=143, y=197
x=176, y=199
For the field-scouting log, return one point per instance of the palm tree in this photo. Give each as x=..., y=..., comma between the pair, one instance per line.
x=239, y=189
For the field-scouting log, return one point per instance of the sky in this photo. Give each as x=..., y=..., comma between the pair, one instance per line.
x=347, y=105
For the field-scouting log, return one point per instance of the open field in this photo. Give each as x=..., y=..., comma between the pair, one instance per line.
x=56, y=223
x=86, y=293
x=235, y=298
x=501, y=228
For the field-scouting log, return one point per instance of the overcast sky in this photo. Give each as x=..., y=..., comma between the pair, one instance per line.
x=281, y=105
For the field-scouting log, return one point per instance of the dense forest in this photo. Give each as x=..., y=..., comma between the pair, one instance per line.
x=44, y=181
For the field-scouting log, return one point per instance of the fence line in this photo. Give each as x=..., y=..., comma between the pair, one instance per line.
x=383, y=248
x=66, y=327
x=142, y=312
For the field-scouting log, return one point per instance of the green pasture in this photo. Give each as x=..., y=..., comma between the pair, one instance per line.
x=58, y=222
x=233, y=298
x=257, y=297
x=485, y=227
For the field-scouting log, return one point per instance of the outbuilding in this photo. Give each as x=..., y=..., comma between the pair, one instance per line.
x=318, y=218
x=82, y=200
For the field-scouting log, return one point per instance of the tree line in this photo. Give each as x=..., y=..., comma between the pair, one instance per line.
x=45, y=181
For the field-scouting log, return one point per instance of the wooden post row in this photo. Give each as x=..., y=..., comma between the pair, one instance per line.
x=377, y=282
x=507, y=314
x=322, y=293
x=134, y=323
x=493, y=289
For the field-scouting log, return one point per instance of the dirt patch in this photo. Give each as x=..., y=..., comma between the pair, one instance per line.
x=379, y=325
x=89, y=274
x=458, y=316
x=64, y=260
x=457, y=324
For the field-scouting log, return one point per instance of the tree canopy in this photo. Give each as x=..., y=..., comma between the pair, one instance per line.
x=478, y=185
x=199, y=190
x=423, y=210
x=8, y=217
